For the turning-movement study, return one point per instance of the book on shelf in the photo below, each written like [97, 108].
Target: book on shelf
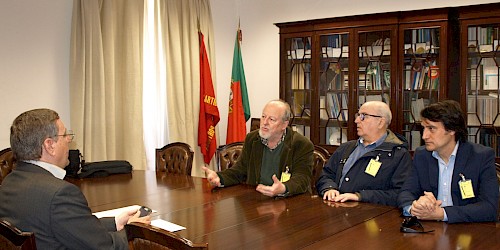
[473, 134]
[417, 106]
[384, 97]
[490, 74]
[300, 48]
[301, 76]
[301, 103]
[482, 109]
[337, 106]
[422, 76]
[415, 139]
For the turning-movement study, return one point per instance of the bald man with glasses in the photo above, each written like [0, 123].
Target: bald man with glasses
[372, 168]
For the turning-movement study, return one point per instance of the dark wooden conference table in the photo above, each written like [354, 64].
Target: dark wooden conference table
[238, 217]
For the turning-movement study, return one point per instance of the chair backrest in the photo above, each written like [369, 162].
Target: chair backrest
[12, 238]
[176, 158]
[498, 172]
[254, 124]
[142, 236]
[320, 157]
[227, 155]
[498, 178]
[7, 163]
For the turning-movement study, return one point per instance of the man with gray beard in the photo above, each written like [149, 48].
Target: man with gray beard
[275, 158]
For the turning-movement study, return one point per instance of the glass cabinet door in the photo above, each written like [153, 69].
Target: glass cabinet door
[374, 67]
[420, 78]
[333, 88]
[483, 60]
[298, 82]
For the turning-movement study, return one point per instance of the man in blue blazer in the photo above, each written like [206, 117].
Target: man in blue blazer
[452, 179]
[34, 197]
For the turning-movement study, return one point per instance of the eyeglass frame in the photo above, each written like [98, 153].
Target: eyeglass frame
[362, 116]
[68, 133]
[408, 224]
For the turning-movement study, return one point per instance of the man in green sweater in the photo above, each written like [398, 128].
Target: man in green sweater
[275, 158]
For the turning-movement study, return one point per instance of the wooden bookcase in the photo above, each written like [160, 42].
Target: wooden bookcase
[479, 85]
[329, 67]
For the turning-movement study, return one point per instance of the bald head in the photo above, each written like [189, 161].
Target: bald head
[283, 106]
[382, 109]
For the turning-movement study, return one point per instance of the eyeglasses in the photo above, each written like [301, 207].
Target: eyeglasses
[412, 225]
[362, 116]
[68, 134]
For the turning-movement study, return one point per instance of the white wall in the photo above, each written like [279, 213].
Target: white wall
[35, 37]
[34, 59]
[260, 46]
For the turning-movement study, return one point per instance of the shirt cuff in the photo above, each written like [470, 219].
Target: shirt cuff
[445, 217]
[406, 210]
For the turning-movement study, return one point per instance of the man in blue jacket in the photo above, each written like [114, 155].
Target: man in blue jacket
[452, 180]
[370, 169]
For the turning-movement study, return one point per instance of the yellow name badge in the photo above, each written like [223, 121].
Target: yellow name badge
[466, 189]
[373, 167]
[285, 176]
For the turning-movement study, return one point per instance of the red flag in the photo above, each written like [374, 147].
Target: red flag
[239, 108]
[209, 113]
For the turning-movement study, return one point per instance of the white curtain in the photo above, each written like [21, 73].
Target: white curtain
[135, 79]
[106, 79]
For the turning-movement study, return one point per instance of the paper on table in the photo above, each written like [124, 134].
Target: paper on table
[163, 224]
[117, 211]
[169, 226]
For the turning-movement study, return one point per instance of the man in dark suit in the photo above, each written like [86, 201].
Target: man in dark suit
[34, 197]
[452, 179]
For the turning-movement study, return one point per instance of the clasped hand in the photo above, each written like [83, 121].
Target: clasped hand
[335, 195]
[273, 190]
[427, 207]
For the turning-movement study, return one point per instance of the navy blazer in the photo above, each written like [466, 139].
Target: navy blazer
[477, 163]
[32, 199]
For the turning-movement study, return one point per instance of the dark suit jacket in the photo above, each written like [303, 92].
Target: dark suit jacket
[477, 163]
[32, 199]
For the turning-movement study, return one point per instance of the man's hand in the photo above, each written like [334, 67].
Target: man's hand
[331, 194]
[271, 191]
[427, 207]
[346, 197]
[212, 177]
[130, 216]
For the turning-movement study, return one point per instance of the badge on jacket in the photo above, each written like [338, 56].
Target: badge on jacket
[373, 167]
[466, 187]
[285, 176]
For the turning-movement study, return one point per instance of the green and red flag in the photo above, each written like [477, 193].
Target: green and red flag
[239, 107]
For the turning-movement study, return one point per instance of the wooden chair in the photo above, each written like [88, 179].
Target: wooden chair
[7, 163]
[176, 157]
[254, 124]
[144, 237]
[227, 155]
[320, 158]
[12, 238]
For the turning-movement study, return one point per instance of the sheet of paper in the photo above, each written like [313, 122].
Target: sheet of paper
[115, 212]
[169, 226]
